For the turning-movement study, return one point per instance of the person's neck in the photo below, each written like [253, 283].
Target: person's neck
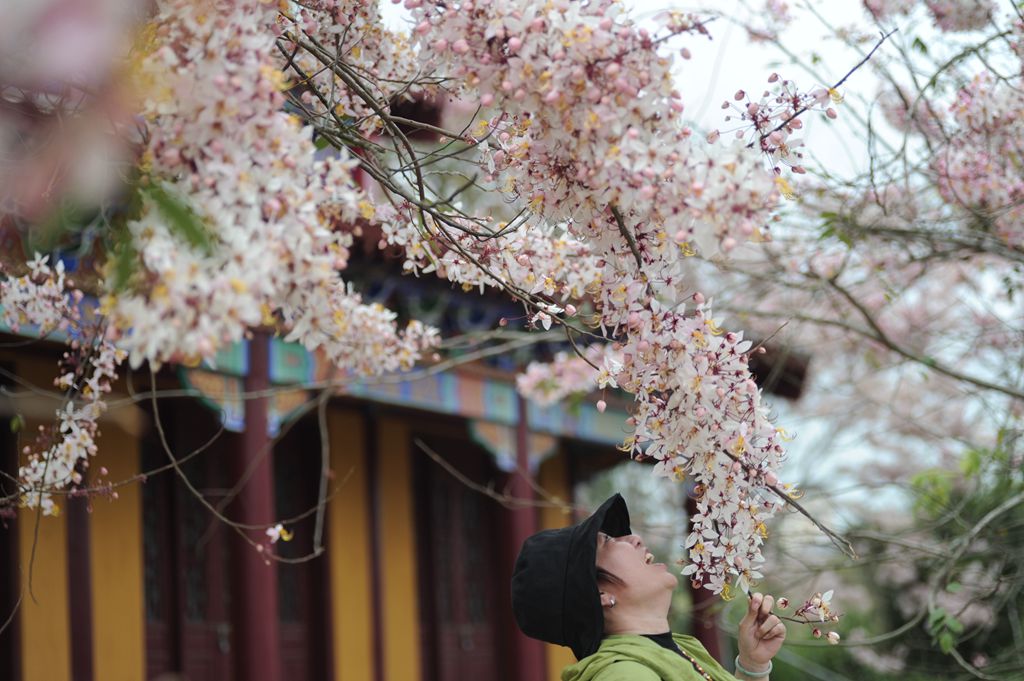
[639, 623]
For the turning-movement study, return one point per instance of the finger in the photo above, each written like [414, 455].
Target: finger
[770, 623]
[766, 607]
[752, 610]
[778, 631]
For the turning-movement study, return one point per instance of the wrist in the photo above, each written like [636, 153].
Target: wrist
[750, 665]
[753, 670]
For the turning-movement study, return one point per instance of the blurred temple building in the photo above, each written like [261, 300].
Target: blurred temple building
[412, 583]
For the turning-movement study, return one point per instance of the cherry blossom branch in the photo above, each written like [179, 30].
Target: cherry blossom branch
[628, 237]
[879, 335]
[840, 542]
[796, 114]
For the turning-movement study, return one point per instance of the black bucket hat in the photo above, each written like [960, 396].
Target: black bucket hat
[554, 582]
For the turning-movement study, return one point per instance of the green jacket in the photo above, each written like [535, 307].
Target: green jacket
[630, 657]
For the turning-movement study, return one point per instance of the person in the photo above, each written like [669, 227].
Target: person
[595, 588]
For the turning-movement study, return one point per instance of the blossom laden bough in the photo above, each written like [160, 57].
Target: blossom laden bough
[43, 299]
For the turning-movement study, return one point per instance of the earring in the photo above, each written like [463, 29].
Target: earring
[611, 601]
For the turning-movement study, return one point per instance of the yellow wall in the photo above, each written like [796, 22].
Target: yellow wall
[45, 628]
[553, 477]
[115, 535]
[398, 552]
[349, 550]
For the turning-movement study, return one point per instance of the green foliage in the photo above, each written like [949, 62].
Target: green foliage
[932, 489]
[832, 228]
[181, 219]
[66, 218]
[944, 628]
[962, 592]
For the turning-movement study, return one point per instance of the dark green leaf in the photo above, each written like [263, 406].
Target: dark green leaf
[920, 46]
[971, 463]
[946, 642]
[179, 216]
[125, 257]
[17, 423]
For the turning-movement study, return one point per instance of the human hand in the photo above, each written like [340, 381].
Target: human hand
[761, 634]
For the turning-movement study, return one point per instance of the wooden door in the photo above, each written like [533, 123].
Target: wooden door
[460, 567]
[188, 626]
[302, 586]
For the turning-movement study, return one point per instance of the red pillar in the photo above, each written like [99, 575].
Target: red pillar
[705, 625]
[257, 637]
[532, 665]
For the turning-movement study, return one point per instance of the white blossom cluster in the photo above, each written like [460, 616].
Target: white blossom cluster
[277, 217]
[537, 260]
[948, 15]
[383, 60]
[569, 374]
[42, 299]
[980, 167]
[74, 439]
[37, 298]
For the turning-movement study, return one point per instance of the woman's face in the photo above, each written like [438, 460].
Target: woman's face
[628, 559]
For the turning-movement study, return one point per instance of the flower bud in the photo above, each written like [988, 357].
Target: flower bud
[833, 637]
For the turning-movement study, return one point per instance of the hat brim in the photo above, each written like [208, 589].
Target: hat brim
[583, 614]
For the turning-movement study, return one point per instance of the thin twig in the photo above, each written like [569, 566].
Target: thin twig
[627, 236]
[804, 108]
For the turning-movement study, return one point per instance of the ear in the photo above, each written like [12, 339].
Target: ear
[607, 600]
